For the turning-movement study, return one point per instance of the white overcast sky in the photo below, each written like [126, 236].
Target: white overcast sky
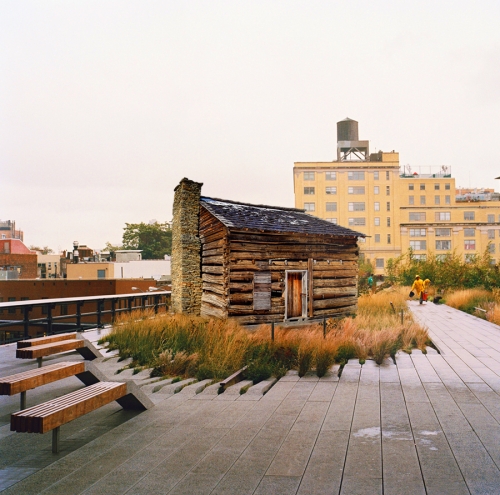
[106, 105]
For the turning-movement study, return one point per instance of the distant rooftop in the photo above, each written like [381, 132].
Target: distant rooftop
[425, 172]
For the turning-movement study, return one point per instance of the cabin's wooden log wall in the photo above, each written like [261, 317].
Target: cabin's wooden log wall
[230, 258]
[214, 261]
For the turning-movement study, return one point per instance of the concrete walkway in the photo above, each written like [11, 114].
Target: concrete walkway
[427, 424]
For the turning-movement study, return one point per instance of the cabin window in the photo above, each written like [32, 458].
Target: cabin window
[262, 291]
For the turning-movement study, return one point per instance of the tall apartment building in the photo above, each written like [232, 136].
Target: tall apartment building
[396, 208]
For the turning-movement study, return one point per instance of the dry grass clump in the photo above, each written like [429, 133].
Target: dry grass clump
[182, 345]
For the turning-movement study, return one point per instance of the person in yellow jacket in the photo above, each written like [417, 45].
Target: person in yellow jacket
[418, 288]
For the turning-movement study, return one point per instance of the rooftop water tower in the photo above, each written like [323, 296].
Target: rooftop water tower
[349, 147]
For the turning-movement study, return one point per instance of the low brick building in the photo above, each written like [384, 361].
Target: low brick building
[16, 260]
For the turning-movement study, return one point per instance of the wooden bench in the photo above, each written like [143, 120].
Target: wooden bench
[52, 414]
[85, 348]
[45, 340]
[21, 382]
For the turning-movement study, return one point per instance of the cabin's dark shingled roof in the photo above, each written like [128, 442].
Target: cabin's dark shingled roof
[271, 218]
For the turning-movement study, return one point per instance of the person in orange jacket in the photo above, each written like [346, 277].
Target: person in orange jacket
[418, 288]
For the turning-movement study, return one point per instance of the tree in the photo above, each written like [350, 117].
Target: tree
[155, 239]
[43, 250]
[111, 248]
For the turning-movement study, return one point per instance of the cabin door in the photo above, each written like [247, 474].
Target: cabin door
[296, 294]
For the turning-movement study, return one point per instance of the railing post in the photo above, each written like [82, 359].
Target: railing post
[79, 316]
[50, 330]
[144, 301]
[130, 303]
[100, 304]
[272, 331]
[157, 302]
[324, 327]
[113, 310]
[26, 320]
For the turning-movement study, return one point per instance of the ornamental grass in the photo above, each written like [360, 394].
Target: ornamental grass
[182, 345]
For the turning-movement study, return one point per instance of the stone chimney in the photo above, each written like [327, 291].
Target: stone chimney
[186, 249]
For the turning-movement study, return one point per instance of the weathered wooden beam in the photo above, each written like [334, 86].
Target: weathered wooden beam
[335, 302]
[214, 299]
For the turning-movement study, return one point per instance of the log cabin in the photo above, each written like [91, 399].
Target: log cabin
[259, 264]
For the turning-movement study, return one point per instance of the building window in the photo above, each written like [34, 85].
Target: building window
[417, 216]
[377, 206]
[443, 232]
[331, 206]
[377, 221]
[422, 200]
[388, 206]
[469, 215]
[375, 175]
[376, 190]
[436, 187]
[377, 237]
[388, 238]
[437, 200]
[356, 206]
[470, 244]
[308, 175]
[469, 232]
[418, 245]
[443, 216]
[309, 206]
[447, 200]
[379, 262]
[422, 187]
[356, 175]
[443, 245]
[411, 200]
[447, 187]
[356, 190]
[411, 187]
[357, 221]
[387, 190]
[491, 234]
[420, 257]
[491, 248]
[388, 221]
[331, 220]
[331, 175]
[417, 232]
[308, 190]
[331, 190]
[101, 273]
[491, 218]
[387, 175]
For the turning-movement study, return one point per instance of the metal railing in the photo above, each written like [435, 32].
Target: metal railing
[32, 318]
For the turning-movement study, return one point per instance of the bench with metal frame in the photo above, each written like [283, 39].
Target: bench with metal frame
[51, 415]
[27, 380]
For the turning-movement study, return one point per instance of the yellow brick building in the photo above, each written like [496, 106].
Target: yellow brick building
[397, 209]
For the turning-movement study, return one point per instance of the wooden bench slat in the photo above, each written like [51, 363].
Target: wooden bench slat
[49, 349]
[54, 413]
[45, 340]
[20, 382]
